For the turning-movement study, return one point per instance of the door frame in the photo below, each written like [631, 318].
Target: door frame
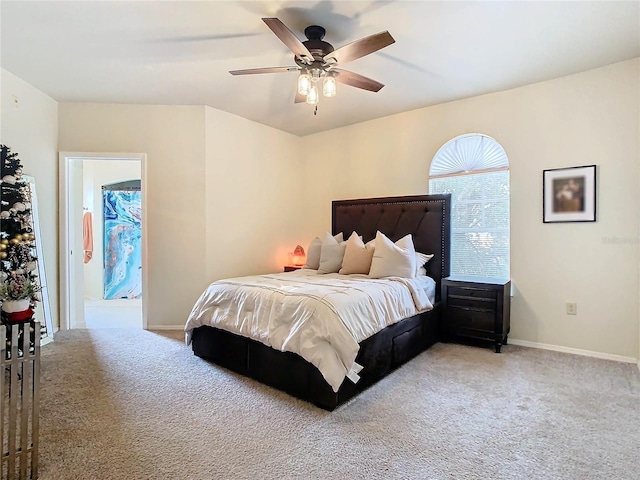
[69, 227]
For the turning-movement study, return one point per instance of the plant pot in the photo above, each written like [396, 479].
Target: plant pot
[12, 306]
[17, 317]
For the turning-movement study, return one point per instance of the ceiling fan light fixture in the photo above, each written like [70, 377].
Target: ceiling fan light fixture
[312, 96]
[329, 86]
[304, 83]
[315, 59]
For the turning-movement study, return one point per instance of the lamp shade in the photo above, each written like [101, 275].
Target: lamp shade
[312, 96]
[299, 256]
[329, 86]
[304, 83]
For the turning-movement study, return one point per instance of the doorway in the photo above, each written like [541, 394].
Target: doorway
[83, 303]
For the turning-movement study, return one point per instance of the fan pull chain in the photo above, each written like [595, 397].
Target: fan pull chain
[315, 110]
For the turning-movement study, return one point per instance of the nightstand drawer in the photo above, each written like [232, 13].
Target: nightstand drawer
[471, 302]
[472, 292]
[471, 318]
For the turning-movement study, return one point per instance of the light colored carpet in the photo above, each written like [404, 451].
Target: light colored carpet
[134, 404]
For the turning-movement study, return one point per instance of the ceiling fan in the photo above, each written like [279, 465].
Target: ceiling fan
[316, 59]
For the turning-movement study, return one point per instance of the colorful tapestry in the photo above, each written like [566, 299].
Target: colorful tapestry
[122, 244]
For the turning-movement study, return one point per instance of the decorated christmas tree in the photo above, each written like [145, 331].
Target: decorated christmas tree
[18, 262]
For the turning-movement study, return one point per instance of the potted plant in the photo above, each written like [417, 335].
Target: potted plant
[17, 292]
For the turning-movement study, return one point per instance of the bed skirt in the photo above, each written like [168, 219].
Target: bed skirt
[379, 355]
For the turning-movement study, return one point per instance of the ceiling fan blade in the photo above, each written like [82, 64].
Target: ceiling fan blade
[251, 71]
[360, 48]
[287, 37]
[356, 80]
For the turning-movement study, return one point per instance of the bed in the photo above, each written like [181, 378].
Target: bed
[427, 219]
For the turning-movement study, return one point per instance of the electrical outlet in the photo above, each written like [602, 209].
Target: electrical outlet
[572, 308]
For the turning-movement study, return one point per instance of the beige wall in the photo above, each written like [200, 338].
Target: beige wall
[209, 172]
[29, 126]
[96, 173]
[253, 196]
[583, 119]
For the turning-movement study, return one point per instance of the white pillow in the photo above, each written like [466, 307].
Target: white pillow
[421, 261]
[393, 260]
[313, 254]
[357, 256]
[331, 254]
[314, 250]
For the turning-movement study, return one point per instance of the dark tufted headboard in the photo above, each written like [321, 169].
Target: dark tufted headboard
[426, 217]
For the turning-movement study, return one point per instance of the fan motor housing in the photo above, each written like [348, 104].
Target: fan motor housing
[316, 46]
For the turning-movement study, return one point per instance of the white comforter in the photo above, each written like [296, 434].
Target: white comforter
[320, 317]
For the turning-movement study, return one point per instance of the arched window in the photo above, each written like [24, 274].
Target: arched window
[474, 168]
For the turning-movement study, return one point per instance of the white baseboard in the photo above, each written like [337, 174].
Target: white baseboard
[575, 351]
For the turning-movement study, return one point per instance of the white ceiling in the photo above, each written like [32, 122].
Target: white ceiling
[180, 52]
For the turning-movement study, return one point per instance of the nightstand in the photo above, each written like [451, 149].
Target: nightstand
[476, 308]
[291, 268]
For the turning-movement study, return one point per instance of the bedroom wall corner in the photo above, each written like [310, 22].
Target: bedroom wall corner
[254, 208]
[29, 126]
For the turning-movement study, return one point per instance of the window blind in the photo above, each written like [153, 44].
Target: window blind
[480, 207]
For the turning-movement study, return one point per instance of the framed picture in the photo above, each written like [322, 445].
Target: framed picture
[569, 194]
